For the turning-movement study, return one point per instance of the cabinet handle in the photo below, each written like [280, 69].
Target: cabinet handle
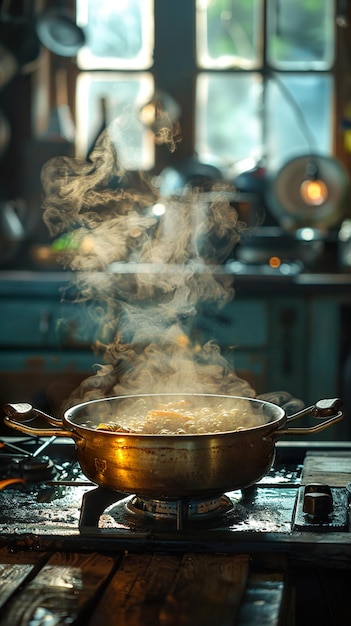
[287, 320]
[44, 324]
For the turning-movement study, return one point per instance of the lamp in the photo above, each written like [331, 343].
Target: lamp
[309, 190]
[313, 190]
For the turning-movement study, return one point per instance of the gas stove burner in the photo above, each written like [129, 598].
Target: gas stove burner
[33, 469]
[143, 512]
[182, 509]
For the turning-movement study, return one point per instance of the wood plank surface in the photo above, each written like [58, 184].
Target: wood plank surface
[12, 576]
[193, 589]
[15, 568]
[263, 602]
[64, 589]
[137, 591]
[207, 590]
[333, 468]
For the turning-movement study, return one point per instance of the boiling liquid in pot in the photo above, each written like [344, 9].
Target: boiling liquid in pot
[179, 416]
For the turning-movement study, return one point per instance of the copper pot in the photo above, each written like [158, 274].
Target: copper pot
[173, 466]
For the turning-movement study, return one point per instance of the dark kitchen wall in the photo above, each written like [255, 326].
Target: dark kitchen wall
[15, 102]
[28, 103]
[28, 128]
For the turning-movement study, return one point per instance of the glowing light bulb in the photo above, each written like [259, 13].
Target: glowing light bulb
[159, 209]
[306, 234]
[148, 114]
[274, 262]
[314, 192]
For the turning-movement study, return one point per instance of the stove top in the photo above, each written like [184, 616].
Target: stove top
[303, 502]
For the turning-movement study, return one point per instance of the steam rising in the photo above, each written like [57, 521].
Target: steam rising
[147, 271]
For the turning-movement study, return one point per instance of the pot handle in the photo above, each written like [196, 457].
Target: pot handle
[26, 413]
[329, 408]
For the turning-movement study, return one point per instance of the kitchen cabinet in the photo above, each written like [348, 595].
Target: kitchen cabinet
[264, 339]
[45, 343]
[41, 323]
[241, 329]
[286, 337]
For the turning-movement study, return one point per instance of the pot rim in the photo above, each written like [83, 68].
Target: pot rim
[273, 424]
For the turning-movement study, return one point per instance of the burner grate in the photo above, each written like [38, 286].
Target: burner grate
[33, 469]
[32, 463]
[181, 510]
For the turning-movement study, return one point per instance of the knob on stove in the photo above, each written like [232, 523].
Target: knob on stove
[318, 501]
[33, 469]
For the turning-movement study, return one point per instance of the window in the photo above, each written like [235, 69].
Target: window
[269, 94]
[119, 36]
[252, 79]
[115, 100]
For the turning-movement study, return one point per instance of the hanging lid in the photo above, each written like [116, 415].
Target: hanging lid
[310, 190]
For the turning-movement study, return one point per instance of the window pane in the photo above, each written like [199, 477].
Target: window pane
[298, 116]
[228, 33]
[119, 34]
[300, 34]
[122, 97]
[228, 125]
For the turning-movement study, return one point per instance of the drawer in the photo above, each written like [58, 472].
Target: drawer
[45, 378]
[243, 324]
[45, 323]
[251, 367]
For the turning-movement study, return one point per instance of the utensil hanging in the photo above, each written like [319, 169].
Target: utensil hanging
[58, 32]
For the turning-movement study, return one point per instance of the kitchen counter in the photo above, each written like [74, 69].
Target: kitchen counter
[27, 283]
[47, 283]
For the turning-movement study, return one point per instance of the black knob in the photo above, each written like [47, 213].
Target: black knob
[318, 488]
[318, 502]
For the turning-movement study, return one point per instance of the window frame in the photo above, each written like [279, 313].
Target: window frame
[175, 72]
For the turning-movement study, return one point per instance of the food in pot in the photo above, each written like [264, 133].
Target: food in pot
[184, 417]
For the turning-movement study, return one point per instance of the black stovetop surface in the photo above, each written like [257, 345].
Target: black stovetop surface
[46, 512]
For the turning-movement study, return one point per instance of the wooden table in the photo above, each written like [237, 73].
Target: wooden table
[140, 590]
